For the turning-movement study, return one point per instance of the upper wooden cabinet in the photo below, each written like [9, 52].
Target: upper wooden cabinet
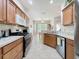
[68, 14]
[20, 13]
[10, 12]
[2, 10]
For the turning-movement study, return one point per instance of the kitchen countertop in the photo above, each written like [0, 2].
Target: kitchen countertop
[7, 40]
[65, 35]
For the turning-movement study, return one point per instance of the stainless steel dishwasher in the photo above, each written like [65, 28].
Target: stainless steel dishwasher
[61, 46]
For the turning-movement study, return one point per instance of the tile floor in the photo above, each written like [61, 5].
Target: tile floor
[40, 51]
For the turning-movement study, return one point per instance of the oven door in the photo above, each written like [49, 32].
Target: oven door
[61, 46]
[27, 44]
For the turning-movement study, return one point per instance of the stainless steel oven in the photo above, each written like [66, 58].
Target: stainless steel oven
[27, 45]
[61, 46]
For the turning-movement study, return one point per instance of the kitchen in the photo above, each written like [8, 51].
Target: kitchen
[38, 29]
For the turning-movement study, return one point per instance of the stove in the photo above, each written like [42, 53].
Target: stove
[26, 41]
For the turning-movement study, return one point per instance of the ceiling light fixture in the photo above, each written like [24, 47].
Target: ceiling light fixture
[51, 1]
[30, 2]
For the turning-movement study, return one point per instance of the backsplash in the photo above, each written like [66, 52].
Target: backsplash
[68, 30]
[12, 27]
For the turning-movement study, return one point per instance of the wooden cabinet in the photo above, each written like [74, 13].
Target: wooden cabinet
[69, 14]
[11, 46]
[14, 50]
[69, 49]
[26, 17]
[50, 40]
[0, 53]
[10, 12]
[74, 12]
[3, 11]
[20, 13]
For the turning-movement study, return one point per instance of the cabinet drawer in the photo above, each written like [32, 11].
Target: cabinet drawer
[11, 46]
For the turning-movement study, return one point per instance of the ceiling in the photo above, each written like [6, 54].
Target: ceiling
[42, 9]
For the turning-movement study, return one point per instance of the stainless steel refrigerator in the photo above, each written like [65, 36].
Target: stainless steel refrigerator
[77, 29]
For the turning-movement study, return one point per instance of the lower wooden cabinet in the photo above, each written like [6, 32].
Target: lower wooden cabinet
[1, 53]
[15, 50]
[50, 39]
[11, 46]
[19, 56]
[69, 49]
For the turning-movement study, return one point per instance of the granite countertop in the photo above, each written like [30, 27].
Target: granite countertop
[65, 35]
[7, 40]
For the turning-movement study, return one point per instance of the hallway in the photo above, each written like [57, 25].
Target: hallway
[40, 51]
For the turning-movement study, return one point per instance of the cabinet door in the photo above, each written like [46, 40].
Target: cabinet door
[46, 39]
[3, 10]
[11, 46]
[18, 11]
[22, 14]
[26, 18]
[69, 51]
[74, 12]
[10, 12]
[50, 40]
[19, 56]
[68, 15]
[53, 41]
[0, 53]
[14, 52]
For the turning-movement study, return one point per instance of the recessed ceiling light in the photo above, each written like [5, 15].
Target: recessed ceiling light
[78, 0]
[51, 1]
[30, 2]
